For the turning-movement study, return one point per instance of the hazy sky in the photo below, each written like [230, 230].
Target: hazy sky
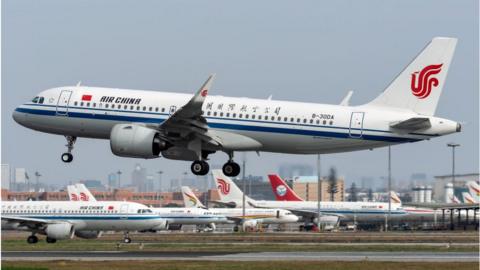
[294, 50]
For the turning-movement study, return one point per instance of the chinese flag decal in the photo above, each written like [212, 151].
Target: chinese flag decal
[86, 97]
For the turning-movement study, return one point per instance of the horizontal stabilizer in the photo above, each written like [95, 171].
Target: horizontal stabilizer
[412, 124]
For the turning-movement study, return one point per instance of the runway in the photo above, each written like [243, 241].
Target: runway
[226, 256]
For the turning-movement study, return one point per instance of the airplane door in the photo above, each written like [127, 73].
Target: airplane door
[172, 110]
[62, 104]
[356, 124]
[124, 210]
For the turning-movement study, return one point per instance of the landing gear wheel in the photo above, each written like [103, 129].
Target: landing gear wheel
[67, 157]
[51, 240]
[236, 229]
[127, 240]
[32, 239]
[200, 167]
[231, 168]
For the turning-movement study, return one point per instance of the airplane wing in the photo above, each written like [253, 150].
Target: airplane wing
[32, 223]
[412, 124]
[224, 204]
[188, 120]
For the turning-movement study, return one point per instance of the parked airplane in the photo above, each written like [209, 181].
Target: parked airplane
[62, 220]
[174, 217]
[145, 124]
[474, 190]
[230, 194]
[253, 216]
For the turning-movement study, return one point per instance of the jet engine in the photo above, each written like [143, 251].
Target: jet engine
[128, 140]
[160, 227]
[88, 234]
[60, 231]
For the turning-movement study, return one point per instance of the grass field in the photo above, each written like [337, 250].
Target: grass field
[108, 245]
[195, 265]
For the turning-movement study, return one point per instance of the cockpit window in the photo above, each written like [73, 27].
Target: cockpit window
[35, 99]
[41, 100]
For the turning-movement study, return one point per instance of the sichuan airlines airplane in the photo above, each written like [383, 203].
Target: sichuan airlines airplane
[149, 124]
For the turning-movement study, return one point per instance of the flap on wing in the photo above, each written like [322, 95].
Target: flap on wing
[414, 123]
[235, 141]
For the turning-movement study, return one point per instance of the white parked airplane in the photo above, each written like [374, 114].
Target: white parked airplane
[253, 216]
[230, 194]
[175, 217]
[62, 220]
[147, 124]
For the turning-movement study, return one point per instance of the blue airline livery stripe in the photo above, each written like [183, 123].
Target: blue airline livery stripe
[220, 125]
[220, 118]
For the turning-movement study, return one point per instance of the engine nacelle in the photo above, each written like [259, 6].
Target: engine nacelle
[88, 234]
[60, 231]
[129, 140]
[250, 225]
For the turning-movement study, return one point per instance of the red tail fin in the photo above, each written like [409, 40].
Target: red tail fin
[281, 190]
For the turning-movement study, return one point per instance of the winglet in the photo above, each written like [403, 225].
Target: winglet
[203, 91]
[346, 99]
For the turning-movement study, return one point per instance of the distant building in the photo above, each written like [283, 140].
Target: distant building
[6, 176]
[440, 184]
[306, 188]
[139, 178]
[94, 185]
[256, 187]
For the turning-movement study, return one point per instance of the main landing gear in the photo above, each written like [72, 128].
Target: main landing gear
[126, 239]
[32, 239]
[201, 167]
[68, 157]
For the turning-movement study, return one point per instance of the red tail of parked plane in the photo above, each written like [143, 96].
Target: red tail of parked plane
[281, 190]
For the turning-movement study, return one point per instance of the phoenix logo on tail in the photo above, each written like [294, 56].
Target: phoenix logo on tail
[74, 197]
[83, 196]
[422, 86]
[223, 186]
[191, 198]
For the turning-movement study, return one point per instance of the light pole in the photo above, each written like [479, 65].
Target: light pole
[119, 173]
[453, 146]
[244, 183]
[159, 185]
[319, 190]
[389, 187]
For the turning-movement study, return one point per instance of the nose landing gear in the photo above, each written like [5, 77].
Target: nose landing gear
[32, 239]
[68, 157]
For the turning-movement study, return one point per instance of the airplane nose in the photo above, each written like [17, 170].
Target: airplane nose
[16, 116]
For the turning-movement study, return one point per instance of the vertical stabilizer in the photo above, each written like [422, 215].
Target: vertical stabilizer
[190, 199]
[84, 193]
[419, 86]
[281, 190]
[228, 190]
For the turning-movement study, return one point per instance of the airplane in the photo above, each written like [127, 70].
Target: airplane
[231, 195]
[253, 217]
[467, 198]
[150, 124]
[175, 217]
[60, 220]
[474, 189]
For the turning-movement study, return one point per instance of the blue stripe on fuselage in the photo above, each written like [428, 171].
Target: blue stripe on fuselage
[231, 126]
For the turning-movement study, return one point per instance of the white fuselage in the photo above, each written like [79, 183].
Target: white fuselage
[265, 216]
[274, 126]
[197, 216]
[85, 216]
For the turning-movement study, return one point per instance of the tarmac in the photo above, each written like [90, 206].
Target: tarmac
[228, 256]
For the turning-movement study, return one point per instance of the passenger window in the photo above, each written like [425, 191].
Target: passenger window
[131, 107]
[208, 113]
[311, 121]
[88, 104]
[253, 116]
[279, 118]
[75, 103]
[227, 114]
[150, 109]
[81, 104]
[234, 115]
[156, 109]
[119, 106]
[240, 115]
[273, 118]
[94, 104]
[125, 107]
[292, 120]
[163, 109]
[298, 120]
[331, 122]
[106, 105]
[138, 108]
[214, 113]
[144, 108]
[221, 114]
[259, 117]
[304, 120]
[246, 116]
[318, 121]
[324, 122]
[285, 119]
